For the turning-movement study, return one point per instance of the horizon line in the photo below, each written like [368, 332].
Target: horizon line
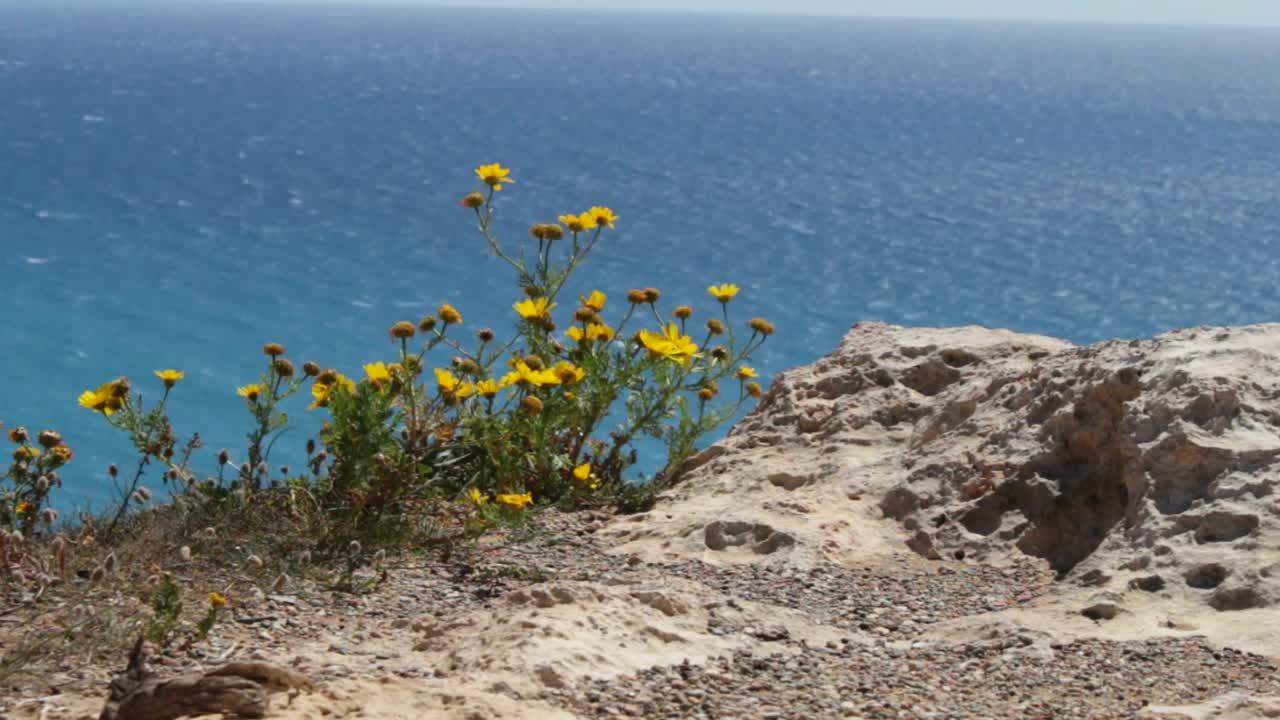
[678, 12]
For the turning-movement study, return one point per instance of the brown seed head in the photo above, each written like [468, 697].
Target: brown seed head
[112, 470]
[762, 326]
[327, 377]
[706, 394]
[531, 404]
[284, 367]
[427, 323]
[485, 335]
[585, 314]
[719, 352]
[403, 330]
[468, 366]
[224, 456]
[715, 326]
[311, 368]
[49, 438]
[473, 200]
[651, 295]
[273, 349]
[684, 312]
[18, 434]
[636, 296]
[534, 362]
[753, 389]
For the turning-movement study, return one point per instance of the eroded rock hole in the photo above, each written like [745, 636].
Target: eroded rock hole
[1206, 577]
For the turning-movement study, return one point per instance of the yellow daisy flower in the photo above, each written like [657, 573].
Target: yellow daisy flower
[746, 373]
[250, 391]
[476, 497]
[515, 500]
[583, 471]
[602, 216]
[724, 292]
[534, 308]
[170, 377]
[595, 300]
[377, 373]
[494, 175]
[670, 344]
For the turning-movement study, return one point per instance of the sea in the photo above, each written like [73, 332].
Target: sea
[180, 183]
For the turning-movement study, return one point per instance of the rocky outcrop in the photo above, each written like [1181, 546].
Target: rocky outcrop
[1143, 467]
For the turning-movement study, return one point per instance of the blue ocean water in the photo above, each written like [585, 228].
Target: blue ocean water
[179, 184]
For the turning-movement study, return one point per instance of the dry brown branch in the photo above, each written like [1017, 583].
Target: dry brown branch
[235, 690]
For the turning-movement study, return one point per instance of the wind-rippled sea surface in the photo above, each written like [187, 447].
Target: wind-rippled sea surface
[179, 185]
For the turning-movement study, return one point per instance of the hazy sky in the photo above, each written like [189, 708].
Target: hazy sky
[1196, 12]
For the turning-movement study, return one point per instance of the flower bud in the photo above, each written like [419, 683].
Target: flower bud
[311, 446]
[534, 362]
[224, 456]
[485, 335]
[327, 377]
[403, 330]
[18, 435]
[636, 296]
[273, 349]
[762, 326]
[473, 200]
[753, 389]
[651, 295]
[112, 470]
[283, 367]
[684, 312]
[311, 368]
[531, 404]
[49, 438]
[715, 326]
[585, 314]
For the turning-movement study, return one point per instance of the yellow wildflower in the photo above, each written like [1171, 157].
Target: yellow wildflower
[724, 292]
[583, 471]
[754, 389]
[494, 175]
[568, 372]
[602, 216]
[599, 331]
[449, 314]
[320, 393]
[63, 453]
[575, 333]
[525, 375]
[595, 300]
[446, 380]
[377, 373]
[170, 377]
[515, 500]
[250, 391]
[107, 398]
[746, 373]
[22, 507]
[476, 497]
[489, 388]
[670, 344]
[578, 223]
[217, 600]
[534, 308]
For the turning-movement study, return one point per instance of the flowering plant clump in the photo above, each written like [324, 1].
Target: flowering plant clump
[550, 413]
[25, 486]
[150, 431]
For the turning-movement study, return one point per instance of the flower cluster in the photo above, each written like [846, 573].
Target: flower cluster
[551, 413]
[25, 486]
